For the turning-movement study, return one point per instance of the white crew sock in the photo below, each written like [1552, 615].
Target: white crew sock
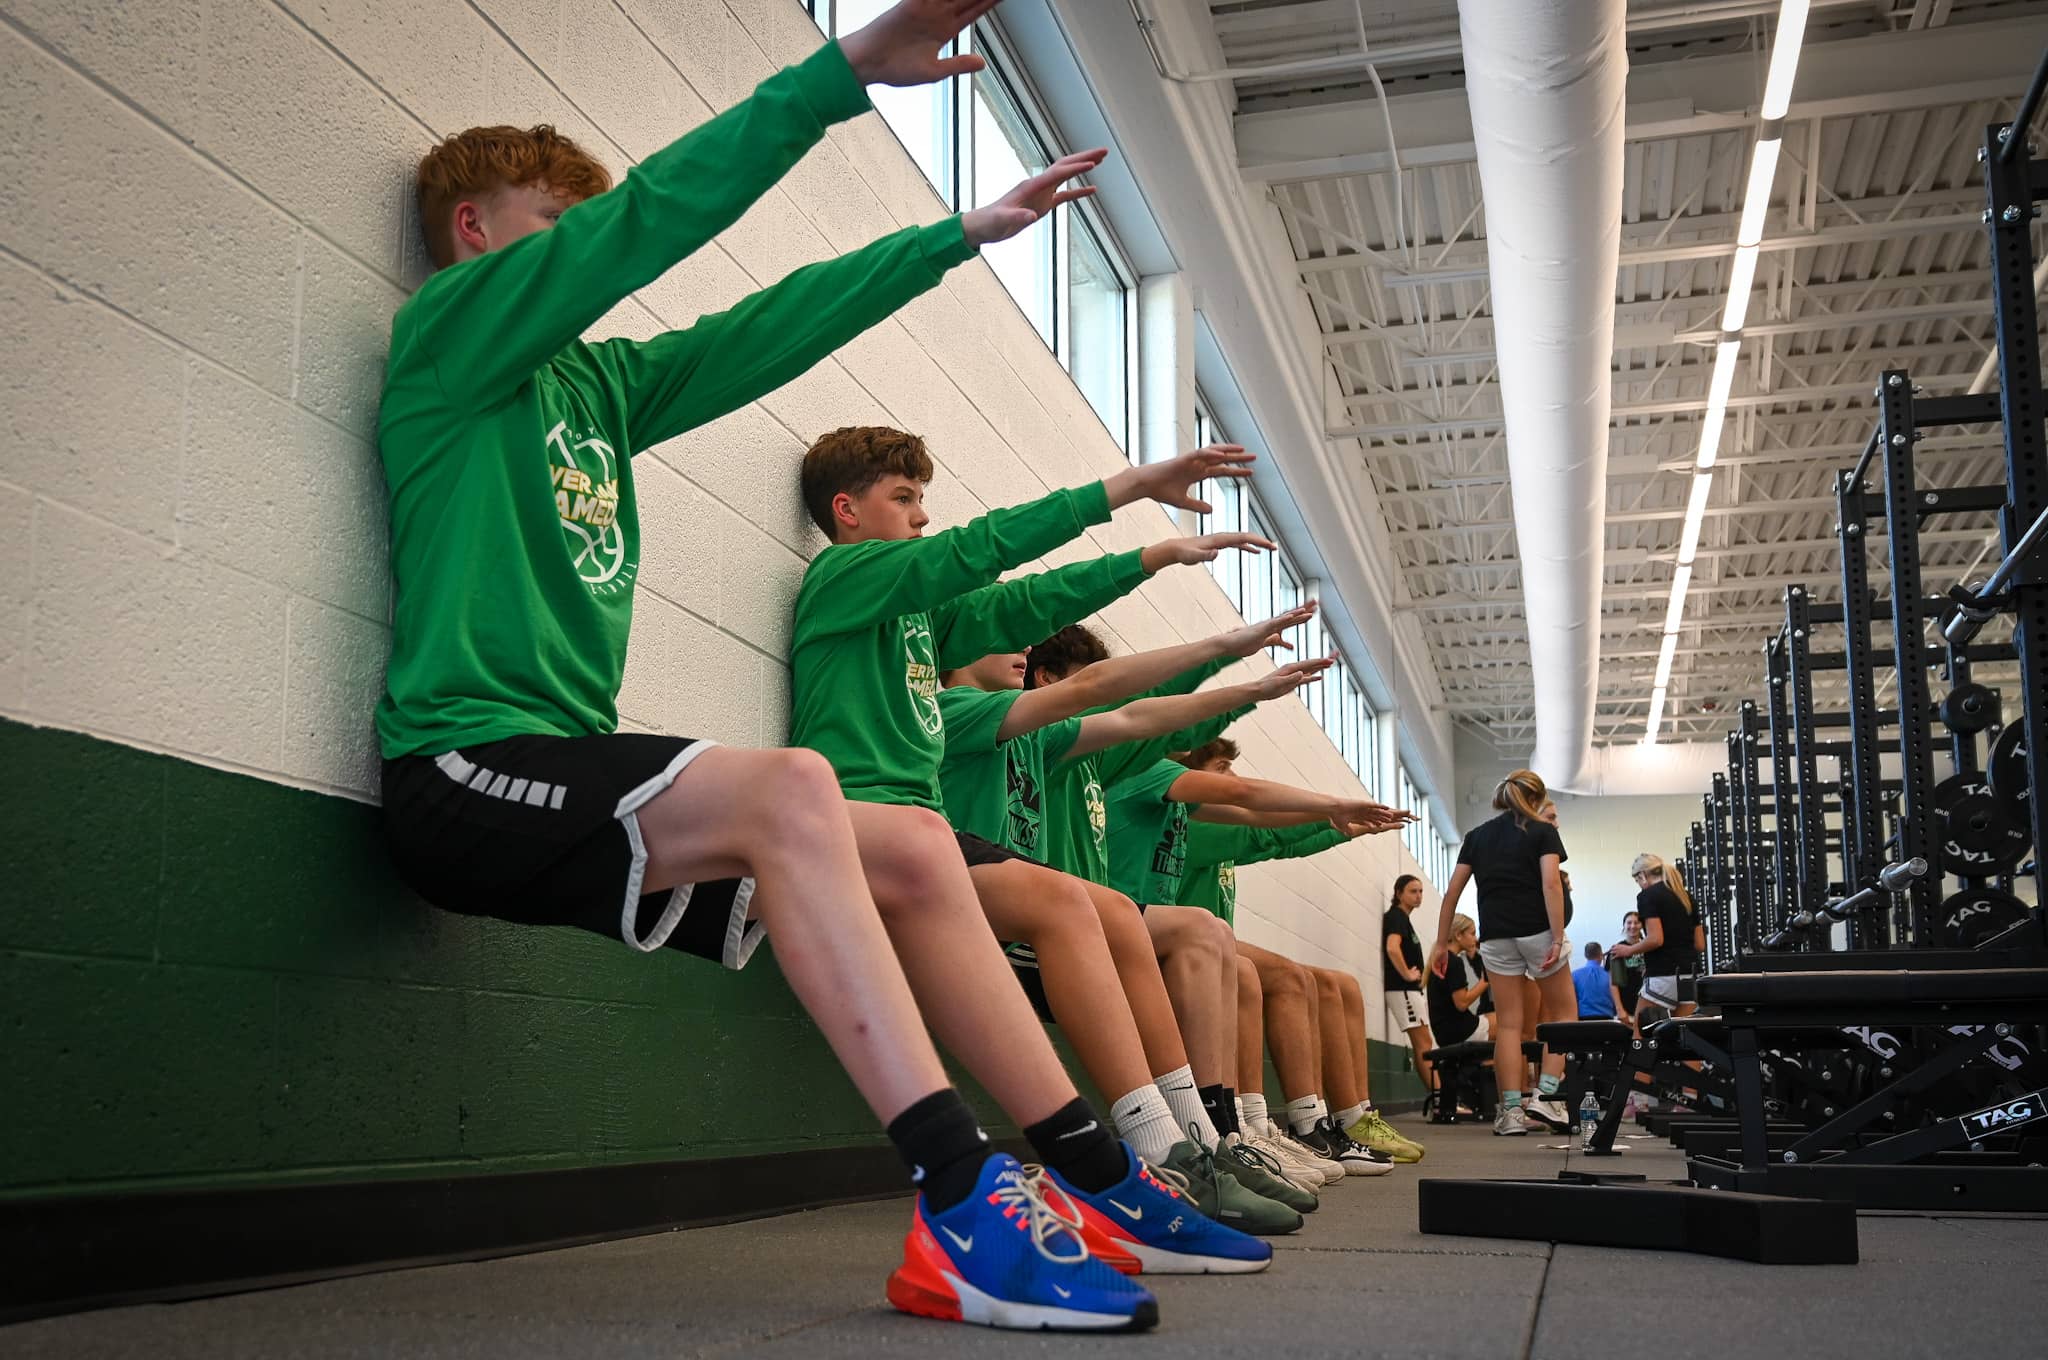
[1144, 1120]
[1251, 1112]
[1178, 1086]
[1346, 1118]
[1305, 1113]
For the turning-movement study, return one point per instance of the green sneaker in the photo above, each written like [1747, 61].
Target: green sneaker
[1216, 1192]
[1373, 1131]
[1261, 1175]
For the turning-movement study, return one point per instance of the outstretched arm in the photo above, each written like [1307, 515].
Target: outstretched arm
[1440, 953]
[1156, 717]
[1101, 685]
[485, 325]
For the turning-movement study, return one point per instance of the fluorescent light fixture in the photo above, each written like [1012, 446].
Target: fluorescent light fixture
[1665, 655]
[1784, 58]
[1741, 278]
[1656, 716]
[1756, 199]
[1695, 516]
[1725, 357]
[1680, 580]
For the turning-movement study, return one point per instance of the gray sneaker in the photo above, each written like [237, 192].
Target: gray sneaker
[1259, 1173]
[1217, 1193]
[1510, 1122]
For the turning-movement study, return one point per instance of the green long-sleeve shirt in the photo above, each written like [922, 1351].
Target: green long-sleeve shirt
[1215, 849]
[506, 440]
[1076, 838]
[877, 622]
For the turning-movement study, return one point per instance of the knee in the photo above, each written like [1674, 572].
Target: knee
[1326, 987]
[1289, 984]
[794, 783]
[1247, 979]
[1116, 915]
[1347, 985]
[918, 868]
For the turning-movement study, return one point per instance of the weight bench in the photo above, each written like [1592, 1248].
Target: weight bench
[1854, 1157]
[1459, 1067]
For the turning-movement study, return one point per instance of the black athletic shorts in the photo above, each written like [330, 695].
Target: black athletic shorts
[977, 851]
[545, 831]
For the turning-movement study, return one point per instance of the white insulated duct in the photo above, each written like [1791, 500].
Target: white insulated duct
[1546, 80]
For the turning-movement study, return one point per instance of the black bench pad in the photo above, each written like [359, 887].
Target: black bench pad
[1790, 991]
[1577, 1036]
[1471, 1048]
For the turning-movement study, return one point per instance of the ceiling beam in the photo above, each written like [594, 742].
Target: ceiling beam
[1878, 73]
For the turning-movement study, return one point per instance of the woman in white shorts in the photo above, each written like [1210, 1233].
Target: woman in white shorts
[1514, 859]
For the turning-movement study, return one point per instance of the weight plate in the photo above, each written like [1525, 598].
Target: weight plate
[1975, 915]
[1969, 708]
[1976, 839]
[2011, 776]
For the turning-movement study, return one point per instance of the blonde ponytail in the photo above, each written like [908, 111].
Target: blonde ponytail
[1521, 793]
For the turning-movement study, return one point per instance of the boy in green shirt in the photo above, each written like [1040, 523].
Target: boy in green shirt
[882, 612]
[514, 547]
[998, 738]
[1316, 1015]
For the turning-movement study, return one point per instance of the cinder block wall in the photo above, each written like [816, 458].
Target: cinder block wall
[206, 971]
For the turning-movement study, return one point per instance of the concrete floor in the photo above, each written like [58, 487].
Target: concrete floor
[1357, 1281]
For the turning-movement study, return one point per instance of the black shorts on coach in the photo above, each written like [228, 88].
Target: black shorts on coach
[544, 831]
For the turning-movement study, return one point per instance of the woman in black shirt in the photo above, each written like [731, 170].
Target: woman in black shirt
[1401, 971]
[1515, 858]
[1672, 938]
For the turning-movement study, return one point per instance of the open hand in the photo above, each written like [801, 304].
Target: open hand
[1186, 552]
[1031, 200]
[1289, 678]
[1254, 638]
[902, 46]
[1173, 482]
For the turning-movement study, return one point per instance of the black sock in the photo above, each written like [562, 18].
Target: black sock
[1221, 1107]
[941, 1142]
[1073, 1142]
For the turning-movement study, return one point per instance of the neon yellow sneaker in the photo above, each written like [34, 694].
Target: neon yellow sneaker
[1373, 1130]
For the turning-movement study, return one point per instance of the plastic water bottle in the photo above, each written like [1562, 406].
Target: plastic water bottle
[1589, 1121]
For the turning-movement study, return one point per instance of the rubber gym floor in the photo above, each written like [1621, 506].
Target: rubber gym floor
[1358, 1280]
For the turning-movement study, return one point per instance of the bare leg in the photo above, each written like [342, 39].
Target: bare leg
[1354, 1032]
[1340, 1082]
[1051, 912]
[1290, 1019]
[1508, 1001]
[1532, 1015]
[1419, 1040]
[1560, 1002]
[829, 939]
[1251, 1029]
[1154, 1008]
[1192, 948]
[955, 968]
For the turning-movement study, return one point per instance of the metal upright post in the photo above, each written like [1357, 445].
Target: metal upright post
[1862, 804]
[1752, 884]
[1720, 937]
[1785, 809]
[1896, 433]
[2009, 210]
[1810, 856]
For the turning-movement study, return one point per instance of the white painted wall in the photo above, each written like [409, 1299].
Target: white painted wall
[208, 226]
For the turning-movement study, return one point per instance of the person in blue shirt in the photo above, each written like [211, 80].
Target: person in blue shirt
[1596, 990]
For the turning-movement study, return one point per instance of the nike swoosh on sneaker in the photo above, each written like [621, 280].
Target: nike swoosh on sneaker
[1089, 1127]
[964, 1243]
[1135, 1214]
[1063, 1293]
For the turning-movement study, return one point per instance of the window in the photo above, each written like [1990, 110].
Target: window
[975, 137]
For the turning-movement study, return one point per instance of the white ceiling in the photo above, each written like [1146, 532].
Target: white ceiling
[1873, 258]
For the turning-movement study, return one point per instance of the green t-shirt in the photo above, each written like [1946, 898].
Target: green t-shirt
[1148, 834]
[1076, 815]
[996, 790]
[1215, 849]
[878, 622]
[506, 440]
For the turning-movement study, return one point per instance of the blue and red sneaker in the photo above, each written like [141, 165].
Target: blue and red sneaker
[1151, 1218]
[1004, 1257]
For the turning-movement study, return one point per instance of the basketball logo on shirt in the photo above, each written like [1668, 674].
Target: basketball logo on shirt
[1098, 813]
[586, 480]
[921, 673]
[1226, 885]
[1025, 806]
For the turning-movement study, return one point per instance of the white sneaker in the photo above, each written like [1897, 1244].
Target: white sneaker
[1306, 1156]
[1510, 1122]
[1547, 1113]
[1298, 1174]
